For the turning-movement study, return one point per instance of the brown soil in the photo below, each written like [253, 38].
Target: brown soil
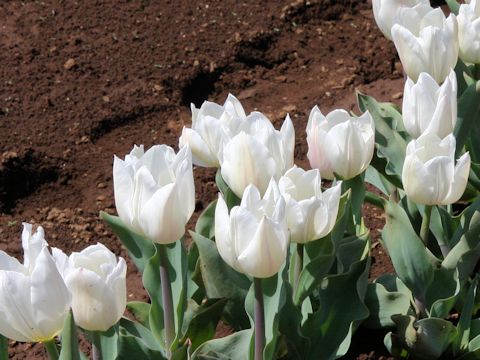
[83, 80]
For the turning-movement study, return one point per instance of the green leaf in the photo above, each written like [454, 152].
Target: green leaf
[274, 299]
[70, 349]
[390, 137]
[409, 256]
[434, 336]
[131, 347]
[351, 249]
[453, 5]
[387, 297]
[221, 281]
[3, 348]
[442, 292]
[462, 340]
[232, 347]
[357, 195]
[142, 335]
[140, 310]
[205, 225]
[106, 341]
[139, 248]
[372, 176]
[467, 125]
[201, 321]
[329, 328]
[230, 198]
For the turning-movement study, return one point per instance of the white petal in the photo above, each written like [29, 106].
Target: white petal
[459, 182]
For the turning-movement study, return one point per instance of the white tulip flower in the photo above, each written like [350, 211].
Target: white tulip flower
[429, 174]
[253, 238]
[429, 107]
[212, 125]
[310, 213]
[34, 300]
[385, 12]
[469, 32]
[339, 143]
[426, 43]
[154, 191]
[257, 153]
[97, 282]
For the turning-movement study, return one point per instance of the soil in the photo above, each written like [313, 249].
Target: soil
[83, 80]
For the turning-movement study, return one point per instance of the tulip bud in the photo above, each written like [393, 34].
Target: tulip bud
[97, 282]
[385, 12]
[310, 213]
[429, 175]
[469, 32]
[154, 191]
[212, 125]
[253, 238]
[426, 43]
[257, 153]
[34, 300]
[339, 143]
[428, 107]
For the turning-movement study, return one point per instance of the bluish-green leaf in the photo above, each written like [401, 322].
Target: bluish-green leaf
[143, 336]
[232, 347]
[221, 281]
[390, 137]
[3, 348]
[410, 258]
[140, 310]
[464, 324]
[205, 225]
[70, 350]
[453, 5]
[230, 198]
[442, 292]
[139, 248]
[467, 126]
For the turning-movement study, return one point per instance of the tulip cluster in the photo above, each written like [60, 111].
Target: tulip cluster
[36, 297]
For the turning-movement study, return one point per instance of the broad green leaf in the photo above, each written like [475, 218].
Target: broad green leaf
[131, 347]
[232, 347]
[221, 281]
[442, 292]
[140, 310]
[390, 137]
[357, 195]
[3, 348]
[467, 126]
[351, 249]
[372, 176]
[139, 248]
[409, 256]
[462, 340]
[205, 225]
[274, 298]
[434, 336]
[107, 342]
[201, 322]
[70, 349]
[383, 304]
[230, 198]
[463, 73]
[331, 324]
[128, 328]
[442, 225]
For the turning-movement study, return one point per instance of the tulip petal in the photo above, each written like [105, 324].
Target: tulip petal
[460, 179]
[123, 189]
[223, 239]
[410, 51]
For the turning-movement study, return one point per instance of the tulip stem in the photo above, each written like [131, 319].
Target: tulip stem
[167, 301]
[52, 349]
[259, 319]
[298, 266]
[96, 346]
[425, 228]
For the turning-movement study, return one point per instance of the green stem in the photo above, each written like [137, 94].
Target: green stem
[3, 348]
[52, 349]
[168, 318]
[259, 319]
[298, 267]
[374, 199]
[425, 229]
[476, 71]
[96, 346]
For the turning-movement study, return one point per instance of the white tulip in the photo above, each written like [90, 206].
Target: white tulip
[310, 213]
[154, 191]
[97, 282]
[385, 12]
[469, 32]
[257, 153]
[427, 44]
[339, 143]
[34, 300]
[428, 107]
[253, 238]
[429, 175]
[212, 125]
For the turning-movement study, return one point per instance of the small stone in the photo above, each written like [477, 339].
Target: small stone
[247, 93]
[158, 87]
[105, 99]
[101, 185]
[196, 63]
[289, 108]
[70, 63]
[101, 198]
[397, 96]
